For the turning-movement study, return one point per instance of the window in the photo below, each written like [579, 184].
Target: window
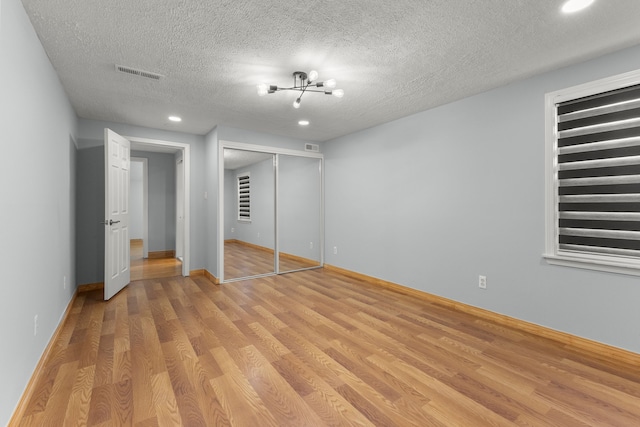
[244, 197]
[593, 175]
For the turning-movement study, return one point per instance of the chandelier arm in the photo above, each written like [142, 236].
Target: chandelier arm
[303, 91]
[299, 89]
[313, 90]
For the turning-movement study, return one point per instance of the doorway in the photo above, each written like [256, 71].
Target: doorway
[146, 260]
[154, 263]
[117, 162]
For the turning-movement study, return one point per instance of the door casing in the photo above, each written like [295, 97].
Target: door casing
[179, 208]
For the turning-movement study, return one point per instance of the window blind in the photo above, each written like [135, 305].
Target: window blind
[244, 197]
[598, 173]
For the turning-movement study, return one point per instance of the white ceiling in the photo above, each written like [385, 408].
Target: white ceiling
[392, 58]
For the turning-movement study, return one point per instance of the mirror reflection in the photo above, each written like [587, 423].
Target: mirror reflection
[299, 213]
[249, 203]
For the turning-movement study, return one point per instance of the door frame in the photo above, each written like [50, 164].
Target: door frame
[270, 150]
[179, 198]
[141, 143]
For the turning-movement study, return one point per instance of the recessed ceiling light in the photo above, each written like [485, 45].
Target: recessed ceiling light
[303, 122]
[576, 5]
[175, 118]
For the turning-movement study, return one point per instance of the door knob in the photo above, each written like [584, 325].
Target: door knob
[110, 222]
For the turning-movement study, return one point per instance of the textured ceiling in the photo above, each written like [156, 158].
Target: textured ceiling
[392, 58]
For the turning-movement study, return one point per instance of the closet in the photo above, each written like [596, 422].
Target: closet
[270, 210]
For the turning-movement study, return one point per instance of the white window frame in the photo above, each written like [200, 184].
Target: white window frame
[553, 254]
[238, 176]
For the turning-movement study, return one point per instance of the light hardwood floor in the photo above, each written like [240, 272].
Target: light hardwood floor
[312, 348]
[244, 260]
[151, 268]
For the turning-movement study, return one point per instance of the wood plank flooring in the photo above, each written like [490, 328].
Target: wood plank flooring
[151, 268]
[312, 348]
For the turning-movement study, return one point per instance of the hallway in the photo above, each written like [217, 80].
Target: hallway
[151, 268]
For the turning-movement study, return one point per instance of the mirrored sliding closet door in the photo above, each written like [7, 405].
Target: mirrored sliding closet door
[249, 203]
[272, 212]
[299, 213]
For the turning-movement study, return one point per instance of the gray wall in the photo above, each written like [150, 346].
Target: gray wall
[162, 200]
[230, 202]
[226, 133]
[299, 210]
[89, 215]
[433, 200]
[261, 230]
[136, 201]
[37, 185]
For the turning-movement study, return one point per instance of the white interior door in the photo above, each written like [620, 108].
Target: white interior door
[179, 209]
[117, 152]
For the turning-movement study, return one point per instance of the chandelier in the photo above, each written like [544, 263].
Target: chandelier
[301, 83]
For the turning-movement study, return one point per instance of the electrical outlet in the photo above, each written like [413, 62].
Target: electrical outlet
[258, 235]
[482, 282]
[233, 230]
[310, 245]
[206, 195]
[335, 250]
[35, 325]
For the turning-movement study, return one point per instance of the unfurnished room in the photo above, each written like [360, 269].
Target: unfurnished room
[323, 213]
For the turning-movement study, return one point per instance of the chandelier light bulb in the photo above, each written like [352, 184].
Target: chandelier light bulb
[313, 76]
[263, 89]
[338, 93]
[296, 103]
[331, 83]
[576, 5]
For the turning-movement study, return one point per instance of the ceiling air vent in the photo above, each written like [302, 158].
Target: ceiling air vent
[136, 72]
[312, 147]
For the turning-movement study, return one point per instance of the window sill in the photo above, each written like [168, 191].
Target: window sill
[593, 264]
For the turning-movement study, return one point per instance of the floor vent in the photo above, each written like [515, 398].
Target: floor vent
[136, 72]
[312, 147]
